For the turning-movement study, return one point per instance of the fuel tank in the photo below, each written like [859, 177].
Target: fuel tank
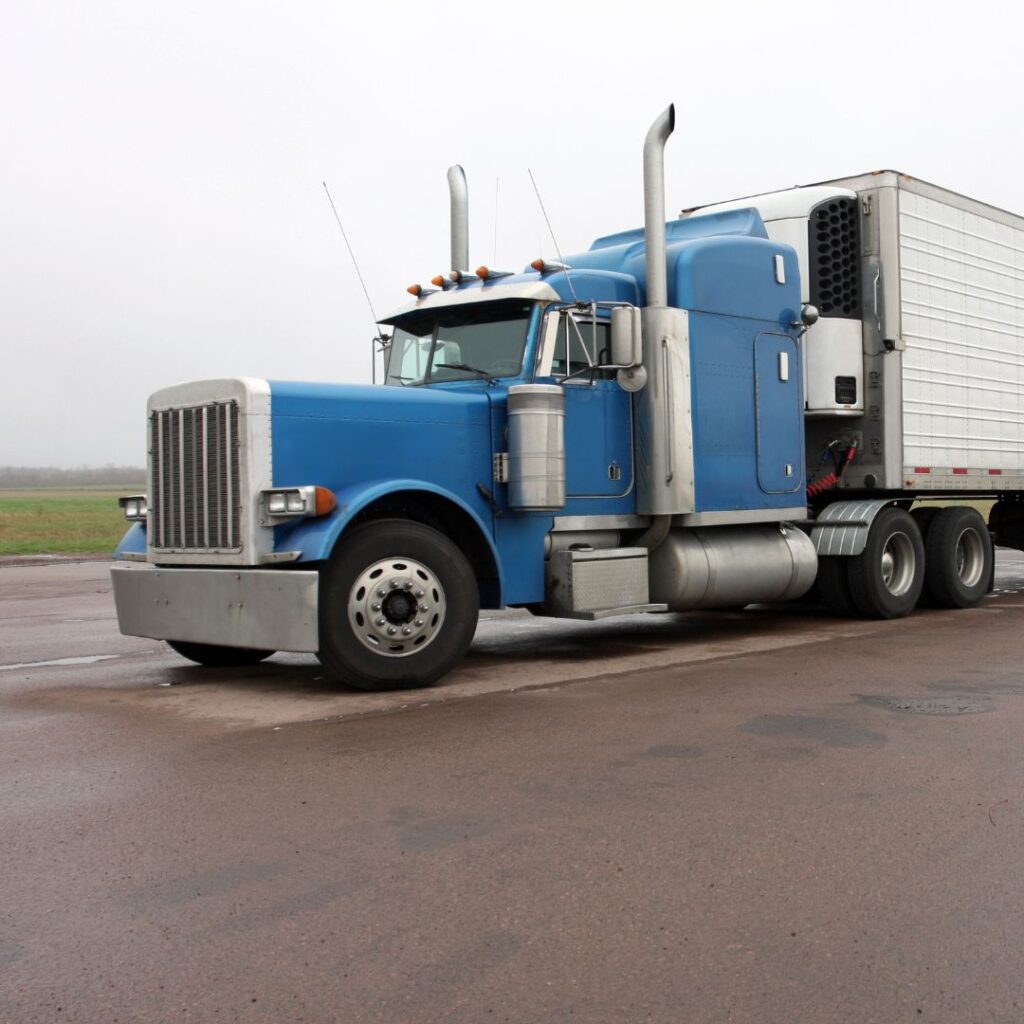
[725, 566]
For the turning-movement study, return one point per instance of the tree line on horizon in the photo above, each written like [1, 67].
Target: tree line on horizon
[79, 476]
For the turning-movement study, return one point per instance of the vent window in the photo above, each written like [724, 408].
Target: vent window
[834, 251]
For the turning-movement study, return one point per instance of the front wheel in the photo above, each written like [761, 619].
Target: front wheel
[399, 605]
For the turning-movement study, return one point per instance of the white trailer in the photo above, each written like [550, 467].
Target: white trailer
[916, 362]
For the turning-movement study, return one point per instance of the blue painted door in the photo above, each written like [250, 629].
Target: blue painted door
[779, 411]
[598, 439]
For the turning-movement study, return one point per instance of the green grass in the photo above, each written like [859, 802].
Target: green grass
[73, 521]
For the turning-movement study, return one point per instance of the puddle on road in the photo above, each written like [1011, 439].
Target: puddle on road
[88, 660]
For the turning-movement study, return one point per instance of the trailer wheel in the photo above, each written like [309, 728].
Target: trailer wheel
[215, 656]
[834, 586]
[958, 566]
[399, 605]
[887, 577]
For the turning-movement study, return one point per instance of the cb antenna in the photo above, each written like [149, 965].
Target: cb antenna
[551, 231]
[380, 339]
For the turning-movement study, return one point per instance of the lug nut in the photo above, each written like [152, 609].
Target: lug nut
[406, 631]
[375, 606]
[393, 584]
[407, 584]
[419, 622]
[392, 631]
[423, 607]
[419, 593]
[382, 592]
[380, 620]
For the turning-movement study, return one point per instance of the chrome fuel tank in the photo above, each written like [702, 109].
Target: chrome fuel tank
[721, 567]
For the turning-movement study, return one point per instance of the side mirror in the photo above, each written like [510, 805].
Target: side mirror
[627, 350]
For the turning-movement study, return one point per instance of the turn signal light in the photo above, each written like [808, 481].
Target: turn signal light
[299, 502]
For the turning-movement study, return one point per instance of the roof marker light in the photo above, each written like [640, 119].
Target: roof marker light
[486, 274]
[544, 266]
[458, 276]
[419, 291]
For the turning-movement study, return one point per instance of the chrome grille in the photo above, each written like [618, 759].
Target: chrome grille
[195, 500]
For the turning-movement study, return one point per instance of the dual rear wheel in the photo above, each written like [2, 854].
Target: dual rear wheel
[939, 557]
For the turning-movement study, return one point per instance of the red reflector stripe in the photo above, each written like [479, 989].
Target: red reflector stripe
[960, 471]
[922, 469]
[995, 472]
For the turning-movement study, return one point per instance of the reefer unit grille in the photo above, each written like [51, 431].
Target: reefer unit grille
[194, 454]
[834, 250]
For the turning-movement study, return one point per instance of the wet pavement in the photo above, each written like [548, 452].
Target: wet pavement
[764, 816]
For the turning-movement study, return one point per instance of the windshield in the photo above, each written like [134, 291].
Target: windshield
[483, 341]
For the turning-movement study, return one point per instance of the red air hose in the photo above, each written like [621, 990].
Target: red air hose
[827, 482]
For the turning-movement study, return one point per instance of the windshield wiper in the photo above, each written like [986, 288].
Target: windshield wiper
[467, 369]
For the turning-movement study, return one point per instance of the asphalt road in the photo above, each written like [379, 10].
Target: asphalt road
[768, 816]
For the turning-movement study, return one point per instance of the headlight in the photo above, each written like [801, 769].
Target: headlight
[134, 507]
[296, 502]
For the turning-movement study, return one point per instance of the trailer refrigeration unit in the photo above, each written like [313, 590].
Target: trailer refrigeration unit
[720, 410]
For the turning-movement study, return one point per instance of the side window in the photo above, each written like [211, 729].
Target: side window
[569, 349]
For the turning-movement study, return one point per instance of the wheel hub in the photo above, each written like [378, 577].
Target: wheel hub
[396, 607]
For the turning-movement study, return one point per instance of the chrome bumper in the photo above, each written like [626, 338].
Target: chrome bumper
[270, 609]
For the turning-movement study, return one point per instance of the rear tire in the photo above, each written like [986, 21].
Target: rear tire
[887, 577]
[215, 656]
[958, 567]
[399, 604]
[924, 516]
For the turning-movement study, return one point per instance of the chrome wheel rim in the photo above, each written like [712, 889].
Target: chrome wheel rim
[396, 607]
[898, 564]
[970, 557]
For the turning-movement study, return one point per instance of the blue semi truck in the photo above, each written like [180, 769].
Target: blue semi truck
[695, 414]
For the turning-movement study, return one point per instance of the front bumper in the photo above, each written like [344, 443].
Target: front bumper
[269, 609]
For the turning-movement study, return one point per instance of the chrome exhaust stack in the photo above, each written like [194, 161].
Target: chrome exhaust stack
[664, 435]
[459, 192]
[654, 205]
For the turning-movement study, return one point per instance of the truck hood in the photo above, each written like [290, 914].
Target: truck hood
[340, 435]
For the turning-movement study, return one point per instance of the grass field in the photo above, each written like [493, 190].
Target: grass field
[86, 521]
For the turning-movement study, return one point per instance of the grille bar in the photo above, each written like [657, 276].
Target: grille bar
[195, 470]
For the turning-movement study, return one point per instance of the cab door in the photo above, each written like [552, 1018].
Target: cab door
[598, 415]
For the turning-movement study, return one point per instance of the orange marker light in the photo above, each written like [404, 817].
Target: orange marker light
[537, 264]
[439, 280]
[325, 501]
[482, 272]
[415, 289]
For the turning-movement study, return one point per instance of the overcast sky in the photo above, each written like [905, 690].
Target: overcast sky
[161, 212]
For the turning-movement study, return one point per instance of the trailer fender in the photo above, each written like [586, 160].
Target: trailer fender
[842, 528]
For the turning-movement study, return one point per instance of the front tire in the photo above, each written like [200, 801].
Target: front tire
[399, 605]
[215, 656]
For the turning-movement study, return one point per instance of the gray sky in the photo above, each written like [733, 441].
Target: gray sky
[161, 213]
